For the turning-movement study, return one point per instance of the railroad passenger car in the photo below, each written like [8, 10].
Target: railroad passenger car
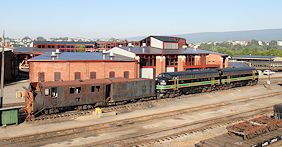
[52, 97]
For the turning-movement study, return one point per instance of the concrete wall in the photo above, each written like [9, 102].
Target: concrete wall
[68, 69]
[156, 43]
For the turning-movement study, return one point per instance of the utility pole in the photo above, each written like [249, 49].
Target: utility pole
[269, 64]
[2, 71]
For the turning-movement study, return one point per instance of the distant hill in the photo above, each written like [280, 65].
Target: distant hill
[263, 35]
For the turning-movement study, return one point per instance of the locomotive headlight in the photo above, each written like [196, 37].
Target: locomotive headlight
[163, 82]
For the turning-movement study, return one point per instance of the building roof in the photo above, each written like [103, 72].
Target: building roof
[32, 50]
[80, 56]
[233, 64]
[158, 51]
[63, 42]
[87, 82]
[253, 57]
[167, 38]
[5, 49]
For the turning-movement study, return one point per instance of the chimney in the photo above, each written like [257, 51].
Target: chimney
[143, 49]
[184, 46]
[129, 44]
[57, 53]
[112, 55]
[120, 45]
[129, 49]
[104, 54]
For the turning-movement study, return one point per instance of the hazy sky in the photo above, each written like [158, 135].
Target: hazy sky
[127, 18]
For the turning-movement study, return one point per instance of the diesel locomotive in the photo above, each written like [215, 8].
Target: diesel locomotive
[171, 84]
[52, 97]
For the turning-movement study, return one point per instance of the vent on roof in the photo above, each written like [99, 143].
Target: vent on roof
[184, 46]
[143, 44]
[53, 55]
[58, 51]
[104, 54]
[120, 45]
[112, 55]
[143, 49]
[129, 44]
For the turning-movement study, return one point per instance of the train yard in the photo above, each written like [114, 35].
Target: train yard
[149, 123]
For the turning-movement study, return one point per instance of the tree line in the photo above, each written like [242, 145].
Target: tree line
[252, 48]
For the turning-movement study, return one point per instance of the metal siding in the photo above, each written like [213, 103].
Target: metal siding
[132, 89]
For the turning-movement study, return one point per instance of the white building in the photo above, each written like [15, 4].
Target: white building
[279, 42]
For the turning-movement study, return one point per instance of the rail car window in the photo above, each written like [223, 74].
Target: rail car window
[72, 89]
[47, 92]
[75, 90]
[54, 92]
[92, 88]
[98, 88]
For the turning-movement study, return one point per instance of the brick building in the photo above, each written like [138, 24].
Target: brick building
[67, 66]
[153, 61]
[145, 59]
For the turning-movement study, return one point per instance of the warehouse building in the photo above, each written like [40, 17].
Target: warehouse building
[67, 66]
[153, 61]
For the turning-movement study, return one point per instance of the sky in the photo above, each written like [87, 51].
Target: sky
[131, 18]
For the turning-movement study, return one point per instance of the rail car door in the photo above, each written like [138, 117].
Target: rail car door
[108, 91]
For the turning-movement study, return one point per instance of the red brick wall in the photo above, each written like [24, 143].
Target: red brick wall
[215, 59]
[68, 69]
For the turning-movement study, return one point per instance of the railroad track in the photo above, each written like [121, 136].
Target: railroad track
[48, 137]
[185, 130]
